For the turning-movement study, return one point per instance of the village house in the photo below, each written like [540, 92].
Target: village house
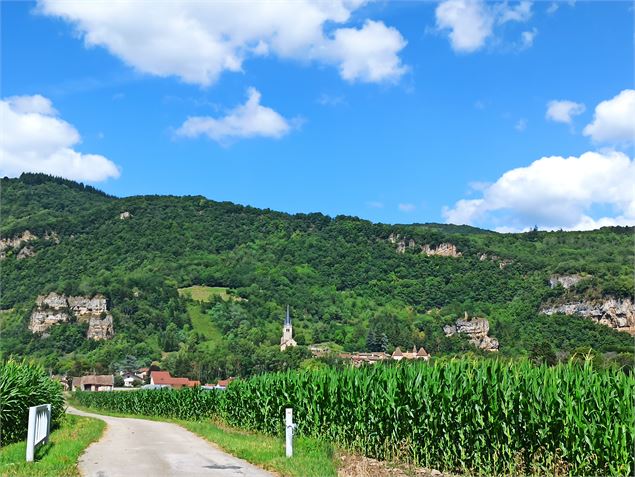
[357, 359]
[94, 382]
[163, 378]
[398, 355]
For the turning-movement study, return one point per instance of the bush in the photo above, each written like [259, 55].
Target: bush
[23, 385]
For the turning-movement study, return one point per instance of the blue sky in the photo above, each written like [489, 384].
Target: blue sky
[396, 112]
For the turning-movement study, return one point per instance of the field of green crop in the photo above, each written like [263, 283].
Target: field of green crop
[204, 293]
[483, 417]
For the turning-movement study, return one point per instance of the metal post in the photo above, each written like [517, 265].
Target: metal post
[30, 448]
[289, 431]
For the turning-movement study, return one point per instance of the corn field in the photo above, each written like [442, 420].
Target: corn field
[24, 384]
[481, 417]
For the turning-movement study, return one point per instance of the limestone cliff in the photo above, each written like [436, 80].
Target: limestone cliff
[476, 329]
[441, 250]
[53, 309]
[16, 242]
[613, 312]
[566, 281]
[20, 244]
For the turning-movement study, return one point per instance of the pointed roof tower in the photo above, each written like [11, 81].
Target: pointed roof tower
[287, 319]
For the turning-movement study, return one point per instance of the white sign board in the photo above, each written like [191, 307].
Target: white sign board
[39, 429]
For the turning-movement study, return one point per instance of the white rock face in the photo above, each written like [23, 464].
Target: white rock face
[567, 281]
[612, 312]
[15, 243]
[25, 252]
[476, 329]
[125, 215]
[54, 308]
[442, 250]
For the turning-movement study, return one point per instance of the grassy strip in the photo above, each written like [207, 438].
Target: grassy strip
[311, 457]
[57, 458]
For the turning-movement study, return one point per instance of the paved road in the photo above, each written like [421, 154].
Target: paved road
[137, 447]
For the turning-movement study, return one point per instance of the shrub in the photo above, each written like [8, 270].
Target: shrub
[22, 385]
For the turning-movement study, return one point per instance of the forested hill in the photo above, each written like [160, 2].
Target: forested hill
[347, 280]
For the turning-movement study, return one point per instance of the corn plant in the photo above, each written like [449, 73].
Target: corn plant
[22, 385]
[482, 417]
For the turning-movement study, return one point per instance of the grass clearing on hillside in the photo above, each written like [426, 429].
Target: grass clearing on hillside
[202, 324]
[311, 457]
[57, 458]
[203, 293]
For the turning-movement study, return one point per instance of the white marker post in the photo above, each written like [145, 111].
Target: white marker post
[289, 432]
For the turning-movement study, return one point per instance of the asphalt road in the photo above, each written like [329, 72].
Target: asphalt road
[137, 447]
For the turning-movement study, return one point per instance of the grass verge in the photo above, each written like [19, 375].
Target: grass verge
[57, 458]
[311, 457]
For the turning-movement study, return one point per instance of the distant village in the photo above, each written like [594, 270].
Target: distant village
[154, 378]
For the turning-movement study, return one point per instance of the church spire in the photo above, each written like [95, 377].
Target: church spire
[287, 320]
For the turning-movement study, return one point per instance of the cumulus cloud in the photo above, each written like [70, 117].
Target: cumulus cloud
[197, 41]
[247, 120]
[563, 111]
[556, 192]
[367, 54]
[471, 22]
[34, 139]
[614, 119]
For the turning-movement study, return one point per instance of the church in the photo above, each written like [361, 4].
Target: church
[287, 333]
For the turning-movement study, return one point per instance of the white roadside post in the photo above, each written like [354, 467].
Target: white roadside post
[289, 431]
[38, 430]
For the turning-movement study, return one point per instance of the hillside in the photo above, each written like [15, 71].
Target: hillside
[348, 281]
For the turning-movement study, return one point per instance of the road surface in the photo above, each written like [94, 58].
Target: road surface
[137, 447]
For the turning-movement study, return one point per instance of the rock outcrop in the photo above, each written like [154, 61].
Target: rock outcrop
[125, 215]
[19, 243]
[502, 262]
[16, 242]
[53, 309]
[25, 252]
[566, 281]
[476, 329]
[613, 312]
[441, 250]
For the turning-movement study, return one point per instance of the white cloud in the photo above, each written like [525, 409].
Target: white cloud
[614, 119]
[563, 111]
[520, 13]
[244, 121]
[471, 22]
[34, 139]
[197, 41]
[407, 207]
[556, 192]
[367, 54]
[521, 125]
[527, 38]
[552, 8]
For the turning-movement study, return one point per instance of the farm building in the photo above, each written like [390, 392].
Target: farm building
[94, 382]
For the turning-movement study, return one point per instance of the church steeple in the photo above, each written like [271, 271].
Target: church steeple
[287, 332]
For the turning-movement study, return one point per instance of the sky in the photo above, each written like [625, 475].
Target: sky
[502, 115]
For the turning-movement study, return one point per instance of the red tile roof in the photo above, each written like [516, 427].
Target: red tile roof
[164, 377]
